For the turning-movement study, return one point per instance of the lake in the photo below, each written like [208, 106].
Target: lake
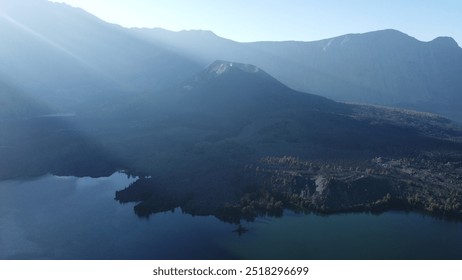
[53, 217]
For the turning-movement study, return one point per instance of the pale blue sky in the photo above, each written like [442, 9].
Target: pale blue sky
[305, 20]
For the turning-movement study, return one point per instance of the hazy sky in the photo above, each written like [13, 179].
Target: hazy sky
[258, 20]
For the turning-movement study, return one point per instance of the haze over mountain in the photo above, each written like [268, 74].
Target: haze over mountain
[383, 67]
[225, 137]
[85, 55]
[67, 56]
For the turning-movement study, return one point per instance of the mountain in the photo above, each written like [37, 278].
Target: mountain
[215, 111]
[235, 94]
[227, 138]
[237, 88]
[66, 56]
[383, 67]
[224, 137]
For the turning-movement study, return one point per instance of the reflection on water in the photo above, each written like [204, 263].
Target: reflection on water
[391, 235]
[77, 218]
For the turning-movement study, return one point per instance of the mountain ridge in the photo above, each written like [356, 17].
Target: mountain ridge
[384, 67]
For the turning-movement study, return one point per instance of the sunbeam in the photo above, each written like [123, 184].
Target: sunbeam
[333, 134]
[47, 41]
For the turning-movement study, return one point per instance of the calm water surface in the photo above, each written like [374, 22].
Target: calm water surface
[77, 218]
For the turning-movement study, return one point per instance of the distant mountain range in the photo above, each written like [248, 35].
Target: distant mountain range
[69, 55]
[383, 67]
[230, 129]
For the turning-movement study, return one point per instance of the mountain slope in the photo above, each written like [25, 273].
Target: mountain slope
[16, 104]
[68, 56]
[202, 141]
[241, 88]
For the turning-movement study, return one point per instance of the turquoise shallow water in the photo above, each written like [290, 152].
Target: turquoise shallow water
[77, 218]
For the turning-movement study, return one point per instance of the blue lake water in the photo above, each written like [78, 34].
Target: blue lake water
[77, 218]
